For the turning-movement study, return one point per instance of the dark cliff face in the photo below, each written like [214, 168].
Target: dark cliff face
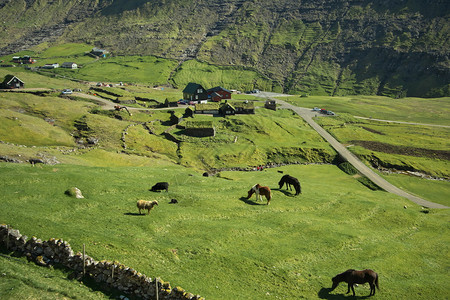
[396, 48]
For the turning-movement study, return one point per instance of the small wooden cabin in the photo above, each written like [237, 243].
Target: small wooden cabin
[12, 82]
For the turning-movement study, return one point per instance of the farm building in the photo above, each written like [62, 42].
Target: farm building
[199, 129]
[26, 59]
[218, 93]
[69, 65]
[244, 107]
[227, 109]
[50, 66]
[207, 108]
[99, 52]
[271, 104]
[12, 82]
[237, 107]
[188, 112]
[175, 118]
[194, 92]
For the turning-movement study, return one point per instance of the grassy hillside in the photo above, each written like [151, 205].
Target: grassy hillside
[415, 110]
[317, 234]
[214, 242]
[339, 48]
[231, 247]
[23, 280]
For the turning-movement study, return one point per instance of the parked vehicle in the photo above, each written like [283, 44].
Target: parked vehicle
[316, 109]
[66, 92]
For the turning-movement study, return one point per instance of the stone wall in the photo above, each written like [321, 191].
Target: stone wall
[112, 274]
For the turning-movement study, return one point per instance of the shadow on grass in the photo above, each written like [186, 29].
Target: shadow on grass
[133, 214]
[324, 293]
[285, 192]
[249, 202]
[69, 274]
[105, 289]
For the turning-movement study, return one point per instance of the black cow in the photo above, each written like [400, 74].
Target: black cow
[160, 186]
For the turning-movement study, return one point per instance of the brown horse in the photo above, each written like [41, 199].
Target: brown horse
[260, 191]
[353, 276]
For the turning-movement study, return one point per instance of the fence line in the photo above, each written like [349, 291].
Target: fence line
[112, 274]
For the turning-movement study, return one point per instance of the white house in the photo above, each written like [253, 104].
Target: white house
[50, 66]
[69, 65]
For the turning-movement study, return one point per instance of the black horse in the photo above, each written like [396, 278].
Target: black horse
[291, 181]
[353, 276]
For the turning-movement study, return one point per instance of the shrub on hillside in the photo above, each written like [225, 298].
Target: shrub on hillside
[348, 168]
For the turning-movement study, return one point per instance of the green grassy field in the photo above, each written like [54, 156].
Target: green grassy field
[420, 110]
[222, 246]
[252, 140]
[390, 143]
[22, 280]
[143, 70]
[215, 242]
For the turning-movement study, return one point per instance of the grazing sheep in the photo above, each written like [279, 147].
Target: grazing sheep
[148, 205]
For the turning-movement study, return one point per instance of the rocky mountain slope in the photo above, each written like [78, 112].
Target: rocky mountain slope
[396, 48]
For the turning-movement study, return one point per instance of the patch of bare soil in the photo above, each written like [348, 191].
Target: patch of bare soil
[403, 150]
[373, 130]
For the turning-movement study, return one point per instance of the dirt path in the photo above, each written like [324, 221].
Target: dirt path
[307, 115]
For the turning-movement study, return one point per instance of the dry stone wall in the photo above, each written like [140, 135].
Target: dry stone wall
[113, 274]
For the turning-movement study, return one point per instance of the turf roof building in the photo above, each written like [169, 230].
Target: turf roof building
[225, 108]
[207, 108]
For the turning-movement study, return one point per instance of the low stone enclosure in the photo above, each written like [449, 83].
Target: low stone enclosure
[56, 252]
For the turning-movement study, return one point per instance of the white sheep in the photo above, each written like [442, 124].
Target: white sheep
[148, 205]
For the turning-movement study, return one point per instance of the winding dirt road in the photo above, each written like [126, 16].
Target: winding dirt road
[307, 115]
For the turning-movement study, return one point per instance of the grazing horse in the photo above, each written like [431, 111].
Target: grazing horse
[353, 276]
[289, 180]
[260, 191]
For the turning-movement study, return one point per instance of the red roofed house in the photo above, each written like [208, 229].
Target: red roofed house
[218, 93]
